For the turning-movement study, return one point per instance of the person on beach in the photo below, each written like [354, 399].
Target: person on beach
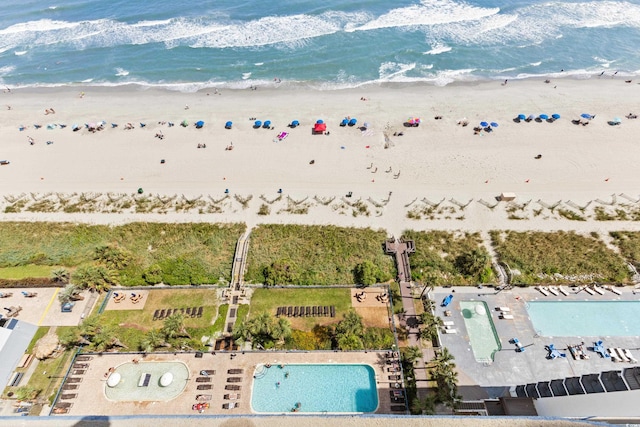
[30, 140]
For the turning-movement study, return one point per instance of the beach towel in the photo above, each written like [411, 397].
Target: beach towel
[282, 135]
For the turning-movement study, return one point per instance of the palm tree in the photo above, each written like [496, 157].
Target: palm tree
[152, 340]
[426, 406]
[174, 326]
[60, 275]
[412, 354]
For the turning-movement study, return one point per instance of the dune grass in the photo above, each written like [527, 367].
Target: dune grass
[175, 248]
[563, 257]
[24, 271]
[436, 255]
[315, 255]
[629, 244]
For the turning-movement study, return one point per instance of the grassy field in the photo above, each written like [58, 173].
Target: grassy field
[131, 325]
[315, 255]
[629, 244]
[24, 271]
[560, 256]
[203, 252]
[270, 299]
[437, 252]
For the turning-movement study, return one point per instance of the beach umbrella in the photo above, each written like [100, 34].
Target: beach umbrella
[585, 116]
[228, 125]
[353, 121]
[344, 122]
[257, 124]
[531, 117]
[493, 124]
[544, 116]
[414, 120]
[555, 116]
[295, 123]
[484, 124]
[521, 117]
[199, 124]
[184, 123]
[616, 120]
[320, 122]
[267, 124]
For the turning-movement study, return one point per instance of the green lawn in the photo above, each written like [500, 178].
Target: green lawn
[132, 325]
[24, 271]
[270, 299]
[437, 252]
[541, 257]
[315, 255]
[200, 252]
[40, 332]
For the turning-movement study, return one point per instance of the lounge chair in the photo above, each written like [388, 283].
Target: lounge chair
[295, 311]
[235, 371]
[278, 311]
[589, 290]
[629, 356]
[230, 405]
[563, 291]
[308, 311]
[506, 316]
[208, 372]
[156, 314]
[621, 355]
[204, 387]
[232, 387]
[169, 311]
[598, 290]
[394, 377]
[232, 379]
[68, 396]
[314, 311]
[448, 323]
[301, 312]
[614, 355]
[188, 311]
[204, 397]
[450, 331]
[200, 310]
[332, 311]
[503, 309]
[203, 380]
[326, 310]
[232, 396]
[542, 290]
[554, 290]
[289, 311]
[398, 408]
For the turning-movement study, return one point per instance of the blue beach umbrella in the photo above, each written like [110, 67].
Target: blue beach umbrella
[544, 116]
[616, 120]
[320, 122]
[228, 125]
[493, 124]
[555, 116]
[521, 117]
[586, 116]
[267, 124]
[344, 122]
[199, 124]
[295, 123]
[484, 124]
[257, 124]
[353, 121]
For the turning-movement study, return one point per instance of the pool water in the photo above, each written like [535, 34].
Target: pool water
[482, 333]
[128, 390]
[315, 388]
[585, 318]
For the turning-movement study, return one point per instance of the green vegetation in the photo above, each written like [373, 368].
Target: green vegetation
[443, 373]
[443, 257]
[566, 256]
[314, 255]
[40, 332]
[263, 331]
[629, 244]
[24, 271]
[138, 253]
[218, 325]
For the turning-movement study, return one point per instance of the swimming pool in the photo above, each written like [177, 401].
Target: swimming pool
[315, 387]
[482, 333]
[585, 318]
[130, 388]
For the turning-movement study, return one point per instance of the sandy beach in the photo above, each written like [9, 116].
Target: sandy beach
[445, 173]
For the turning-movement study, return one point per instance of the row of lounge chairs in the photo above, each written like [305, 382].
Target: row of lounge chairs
[621, 355]
[308, 311]
[591, 290]
[188, 312]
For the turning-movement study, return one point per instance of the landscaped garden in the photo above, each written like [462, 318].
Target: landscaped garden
[537, 257]
[315, 255]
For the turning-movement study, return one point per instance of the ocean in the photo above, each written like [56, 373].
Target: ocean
[331, 44]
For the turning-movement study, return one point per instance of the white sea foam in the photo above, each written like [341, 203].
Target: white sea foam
[535, 64]
[437, 49]
[245, 76]
[121, 72]
[257, 64]
[392, 71]
[20, 52]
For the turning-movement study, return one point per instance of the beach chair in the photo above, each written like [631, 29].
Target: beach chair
[332, 311]
[204, 397]
[326, 311]
[232, 396]
[235, 371]
[295, 311]
[232, 387]
[542, 290]
[503, 309]
[229, 405]
[188, 311]
[319, 311]
[156, 314]
[278, 311]
[233, 379]
[613, 355]
[621, 355]
[289, 311]
[589, 290]
[203, 380]
[554, 290]
[169, 311]
[208, 372]
[200, 310]
[504, 316]
[450, 331]
[614, 290]
[204, 387]
[629, 356]
[563, 291]
[598, 290]
[308, 311]
[448, 323]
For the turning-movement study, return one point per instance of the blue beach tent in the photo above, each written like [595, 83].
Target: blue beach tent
[257, 124]
[228, 125]
[353, 122]
[267, 124]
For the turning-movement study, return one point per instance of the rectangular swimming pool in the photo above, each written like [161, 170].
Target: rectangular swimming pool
[482, 333]
[585, 318]
[314, 388]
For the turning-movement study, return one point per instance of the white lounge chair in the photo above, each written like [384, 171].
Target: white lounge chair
[448, 323]
[506, 316]
[589, 290]
[613, 354]
[563, 291]
[450, 331]
[553, 290]
[542, 290]
[629, 356]
[614, 290]
[598, 290]
[621, 355]
[504, 309]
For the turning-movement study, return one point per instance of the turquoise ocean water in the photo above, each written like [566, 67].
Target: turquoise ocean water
[327, 44]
